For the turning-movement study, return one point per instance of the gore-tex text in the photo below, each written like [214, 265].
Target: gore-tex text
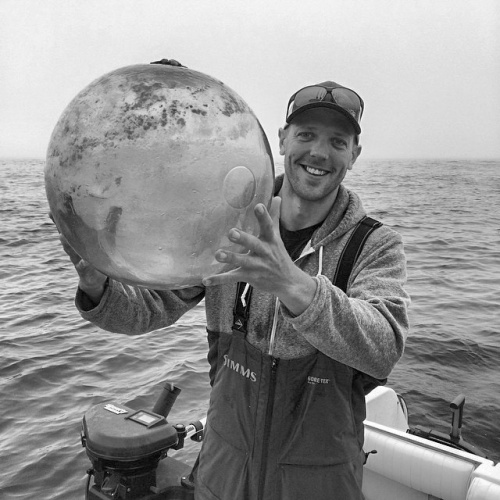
[317, 380]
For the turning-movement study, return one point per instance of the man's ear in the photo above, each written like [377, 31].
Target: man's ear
[356, 151]
[282, 133]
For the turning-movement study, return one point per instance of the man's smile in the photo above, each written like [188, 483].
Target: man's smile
[313, 170]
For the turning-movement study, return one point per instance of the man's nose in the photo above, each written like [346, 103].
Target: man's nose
[319, 149]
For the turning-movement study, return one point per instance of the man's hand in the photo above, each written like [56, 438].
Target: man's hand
[266, 265]
[92, 281]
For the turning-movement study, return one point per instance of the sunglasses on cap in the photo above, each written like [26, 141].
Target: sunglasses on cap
[329, 95]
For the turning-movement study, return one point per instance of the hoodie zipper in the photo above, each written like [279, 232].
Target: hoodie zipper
[272, 385]
[267, 427]
[272, 340]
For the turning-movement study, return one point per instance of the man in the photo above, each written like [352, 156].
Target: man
[292, 354]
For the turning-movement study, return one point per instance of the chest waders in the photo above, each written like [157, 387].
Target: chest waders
[283, 429]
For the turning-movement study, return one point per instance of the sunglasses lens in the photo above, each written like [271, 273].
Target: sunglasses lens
[309, 94]
[343, 97]
[347, 99]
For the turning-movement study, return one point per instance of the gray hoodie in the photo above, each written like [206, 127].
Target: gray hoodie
[364, 328]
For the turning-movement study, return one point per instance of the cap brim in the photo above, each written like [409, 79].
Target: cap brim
[329, 105]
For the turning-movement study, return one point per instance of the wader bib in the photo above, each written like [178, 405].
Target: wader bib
[280, 429]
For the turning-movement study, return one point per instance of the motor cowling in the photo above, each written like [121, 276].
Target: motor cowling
[125, 447]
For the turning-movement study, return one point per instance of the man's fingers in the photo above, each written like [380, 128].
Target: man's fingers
[251, 262]
[231, 258]
[232, 276]
[51, 217]
[275, 212]
[75, 258]
[247, 241]
[266, 223]
[92, 281]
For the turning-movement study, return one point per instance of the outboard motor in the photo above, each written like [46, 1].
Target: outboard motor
[128, 450]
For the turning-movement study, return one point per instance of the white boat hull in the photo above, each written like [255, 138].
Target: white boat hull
[408, 467]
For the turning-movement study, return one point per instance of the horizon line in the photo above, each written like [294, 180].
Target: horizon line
[361, 159]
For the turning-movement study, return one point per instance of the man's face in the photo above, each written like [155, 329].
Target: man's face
[319, 147]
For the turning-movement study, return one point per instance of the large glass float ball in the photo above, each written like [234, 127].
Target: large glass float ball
[149, 167]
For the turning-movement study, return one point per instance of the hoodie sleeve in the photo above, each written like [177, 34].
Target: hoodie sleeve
[366, 327]
[135, 310]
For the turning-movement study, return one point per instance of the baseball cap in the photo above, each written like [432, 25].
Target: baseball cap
[328, 95]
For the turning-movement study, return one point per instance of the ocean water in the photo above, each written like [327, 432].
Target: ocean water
[54, 366]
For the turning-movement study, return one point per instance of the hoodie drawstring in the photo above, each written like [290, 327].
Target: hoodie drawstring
[320, 264]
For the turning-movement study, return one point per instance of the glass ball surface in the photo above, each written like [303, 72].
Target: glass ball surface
[149, 167]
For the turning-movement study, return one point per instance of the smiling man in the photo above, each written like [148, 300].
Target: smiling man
[311, 318]
[328, 316]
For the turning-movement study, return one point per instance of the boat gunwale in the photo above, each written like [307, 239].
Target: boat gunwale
[426, 443]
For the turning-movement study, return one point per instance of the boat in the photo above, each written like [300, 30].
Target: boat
[129, 449]
[407, 466]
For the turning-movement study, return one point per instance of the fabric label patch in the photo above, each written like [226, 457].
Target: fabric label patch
[317, 380]
[240, 369]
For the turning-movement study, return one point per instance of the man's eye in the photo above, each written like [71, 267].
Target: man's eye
[339, 143]
[304, 135]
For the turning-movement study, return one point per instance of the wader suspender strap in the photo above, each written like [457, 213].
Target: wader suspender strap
[352, 250]
[347, 259]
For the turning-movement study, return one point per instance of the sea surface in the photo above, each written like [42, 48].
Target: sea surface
[54, 366]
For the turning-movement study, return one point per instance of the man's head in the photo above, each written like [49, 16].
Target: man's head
[319, 141]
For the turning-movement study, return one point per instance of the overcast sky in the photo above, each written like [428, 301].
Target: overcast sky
[428, 70]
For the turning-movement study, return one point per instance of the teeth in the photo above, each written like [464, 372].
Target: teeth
[314, 171]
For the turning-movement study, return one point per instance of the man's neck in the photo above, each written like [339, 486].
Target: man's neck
[297, 213]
